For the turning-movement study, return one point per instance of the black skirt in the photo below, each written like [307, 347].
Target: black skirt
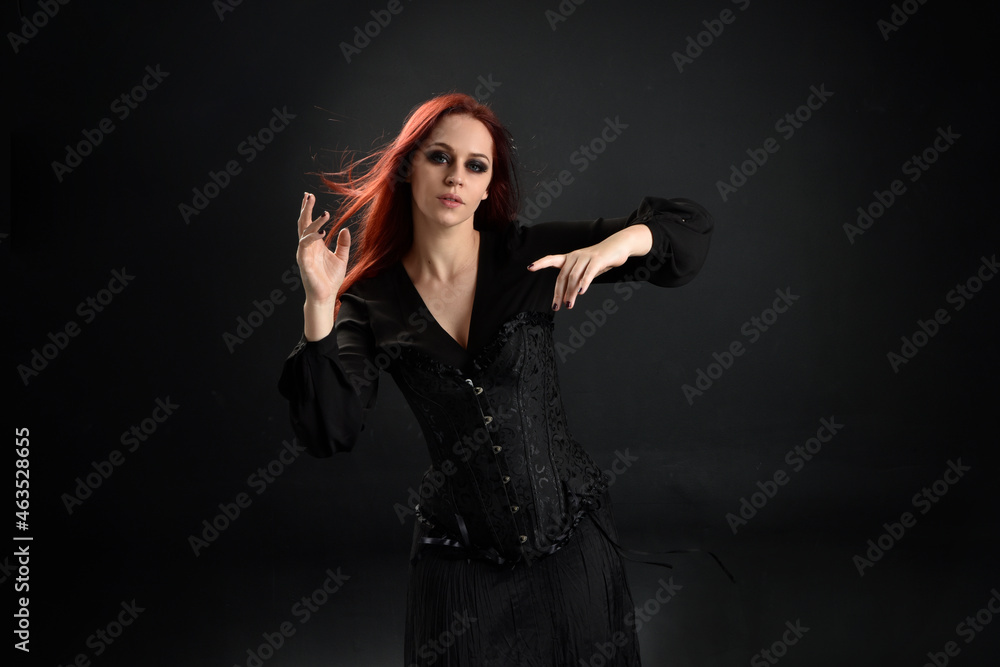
[571, 607]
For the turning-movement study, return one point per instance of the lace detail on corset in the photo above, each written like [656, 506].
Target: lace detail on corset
[513, 325]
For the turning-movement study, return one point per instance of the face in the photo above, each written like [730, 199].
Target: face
[451, 172]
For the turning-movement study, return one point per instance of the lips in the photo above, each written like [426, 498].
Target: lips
[451, 199]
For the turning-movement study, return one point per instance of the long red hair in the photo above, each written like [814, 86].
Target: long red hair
[381, 195]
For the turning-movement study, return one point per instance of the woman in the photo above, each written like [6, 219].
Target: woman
[514, 558]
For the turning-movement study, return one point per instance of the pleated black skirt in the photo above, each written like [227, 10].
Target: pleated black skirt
[570, 608]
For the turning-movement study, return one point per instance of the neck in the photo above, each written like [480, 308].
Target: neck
[441, 253]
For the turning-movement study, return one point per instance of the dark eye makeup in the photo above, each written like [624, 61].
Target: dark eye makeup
[441, 157]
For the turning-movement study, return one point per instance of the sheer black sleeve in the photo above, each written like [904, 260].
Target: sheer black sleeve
[330, 383]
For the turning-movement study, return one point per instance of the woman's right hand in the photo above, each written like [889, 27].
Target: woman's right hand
[322, 271]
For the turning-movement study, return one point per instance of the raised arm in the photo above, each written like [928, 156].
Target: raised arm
[328, 379]
[669, 237]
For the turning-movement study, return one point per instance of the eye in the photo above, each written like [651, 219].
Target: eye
[478, 167]
[438, 156]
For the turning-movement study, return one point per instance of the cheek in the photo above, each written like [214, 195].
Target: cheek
[420, 181]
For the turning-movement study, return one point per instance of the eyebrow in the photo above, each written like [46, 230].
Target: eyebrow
[446, 146]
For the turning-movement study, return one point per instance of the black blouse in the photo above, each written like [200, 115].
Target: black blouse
[507, 480]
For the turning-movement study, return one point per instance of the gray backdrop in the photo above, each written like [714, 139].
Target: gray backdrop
[818, 407]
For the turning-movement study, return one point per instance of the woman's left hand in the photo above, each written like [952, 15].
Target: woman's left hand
[578, 269]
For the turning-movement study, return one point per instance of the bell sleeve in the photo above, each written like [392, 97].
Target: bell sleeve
[681, 229]
[332, 382]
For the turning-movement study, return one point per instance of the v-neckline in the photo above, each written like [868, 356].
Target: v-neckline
[467, 348]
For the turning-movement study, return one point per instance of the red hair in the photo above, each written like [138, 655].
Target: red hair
[382, 196]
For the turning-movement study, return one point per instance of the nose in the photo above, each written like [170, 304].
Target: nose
[453, 178]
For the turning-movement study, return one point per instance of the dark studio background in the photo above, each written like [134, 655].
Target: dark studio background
[162, 336]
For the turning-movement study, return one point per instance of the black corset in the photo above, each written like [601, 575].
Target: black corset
[506, 478]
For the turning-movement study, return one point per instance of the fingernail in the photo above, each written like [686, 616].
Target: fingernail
[531, 265]
[567, 305]
[555, 306]
[581, 291]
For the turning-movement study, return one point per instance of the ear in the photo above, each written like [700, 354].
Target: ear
[486, 193]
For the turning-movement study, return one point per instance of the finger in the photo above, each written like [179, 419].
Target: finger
[306, 223]
[316, 230]
[566, 277]
[308, 239]
[586, 280]
[585, 283]
[305, 213]
[343, 244]
[319, 225]
[594, 269]
[574, 280]
[547, 262]
[314, 233]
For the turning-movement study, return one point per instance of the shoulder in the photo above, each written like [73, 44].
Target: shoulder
[372, 287]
